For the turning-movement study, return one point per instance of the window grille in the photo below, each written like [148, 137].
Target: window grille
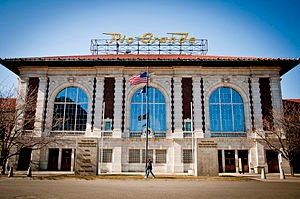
[107, 155]
[161, 156]
[187, 156]
[134, 155]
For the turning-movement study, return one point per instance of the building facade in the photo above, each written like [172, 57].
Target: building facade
[87, 101]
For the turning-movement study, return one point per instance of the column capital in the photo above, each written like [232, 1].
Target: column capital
[118, 78]
[177, 79]
[196, 79]
[43, 78]
[99, 78]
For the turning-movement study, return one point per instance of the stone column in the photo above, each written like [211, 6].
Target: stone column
[223, 160]
[43, 158]
[197, 103]
[260, 157]
[276, 93]
[118, 107]
[21, 98]
[117, 157]
[40, 106]
[236, 159]
[35, 157]
[256, 103]
[72, 159]
[59, 159]
[98, 106]
[178, 133]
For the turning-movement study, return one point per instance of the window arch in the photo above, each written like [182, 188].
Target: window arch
[70, 110]
[226, 111]
[157, 111]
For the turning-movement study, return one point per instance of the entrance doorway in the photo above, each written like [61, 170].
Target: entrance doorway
[243, 161]
[66, 159]
[296, 163]
[272, 161]
[53, 159]
[24, 159]
[220, 161]
[229, 161]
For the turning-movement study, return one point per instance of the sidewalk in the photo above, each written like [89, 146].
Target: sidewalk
[270, 177]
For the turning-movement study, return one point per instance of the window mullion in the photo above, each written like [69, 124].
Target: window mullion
[76, 102]
[220, 105]
[65, 106]
[232, 112]
[153, 111]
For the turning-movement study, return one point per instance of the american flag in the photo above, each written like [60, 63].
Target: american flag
[137, 79]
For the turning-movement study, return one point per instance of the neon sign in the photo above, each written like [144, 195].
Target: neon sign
[148, 43]
[149, 38]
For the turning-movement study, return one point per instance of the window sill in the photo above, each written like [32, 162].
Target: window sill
[228, 134]
[67, 133]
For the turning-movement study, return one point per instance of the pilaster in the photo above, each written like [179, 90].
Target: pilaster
[21, 98]
[276, 93]
[98, 106]
[177, 108]
[256, 103]
[40, 106]
[197, 103]
[118, 107]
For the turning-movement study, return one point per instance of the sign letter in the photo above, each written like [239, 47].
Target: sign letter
[147, 37]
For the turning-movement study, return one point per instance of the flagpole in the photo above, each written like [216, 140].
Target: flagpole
[102, 129]
[147, 119]
[193, 145]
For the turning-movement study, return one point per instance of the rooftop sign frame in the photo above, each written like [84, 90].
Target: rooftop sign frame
[174, 43]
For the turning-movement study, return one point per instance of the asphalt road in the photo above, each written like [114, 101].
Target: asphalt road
[146, 188]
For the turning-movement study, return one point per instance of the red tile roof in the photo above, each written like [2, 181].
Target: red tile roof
[292, 100]
[138, 60]
[148, 57]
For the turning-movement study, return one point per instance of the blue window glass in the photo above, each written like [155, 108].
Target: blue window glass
[188, 126]
[157, 111]
[226, 111]
[107, 126]
[70, 110]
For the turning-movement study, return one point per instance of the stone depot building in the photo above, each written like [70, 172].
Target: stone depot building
[202, 109]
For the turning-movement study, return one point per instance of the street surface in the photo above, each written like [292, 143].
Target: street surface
[22, 188]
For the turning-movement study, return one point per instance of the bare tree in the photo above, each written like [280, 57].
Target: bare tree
[17, 117]
[282, 132]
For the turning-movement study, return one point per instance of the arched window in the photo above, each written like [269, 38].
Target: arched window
[70, 110]
[157, 111]
[226, 111]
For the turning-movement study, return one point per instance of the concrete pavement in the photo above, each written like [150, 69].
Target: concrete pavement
[134, 186]
[25, 188]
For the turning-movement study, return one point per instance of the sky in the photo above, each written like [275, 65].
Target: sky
[259, 28]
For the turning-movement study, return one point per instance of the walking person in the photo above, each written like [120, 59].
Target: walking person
[149, 169]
